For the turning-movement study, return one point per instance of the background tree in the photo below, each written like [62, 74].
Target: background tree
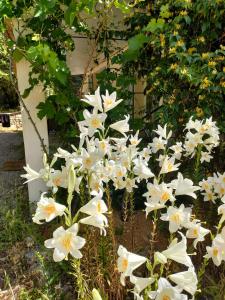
[8, 98]
[178, 46]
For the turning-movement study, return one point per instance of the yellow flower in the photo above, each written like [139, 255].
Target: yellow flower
[180, 43]
[205, 55]
[212, 63]
[173, 66]
[222, 47]
[191, 50]
[178, 26]
[199, 112]
[184, 71]
[205, 83]
[183, 13]
[201, 97]
[158, 68]
[222, 83]
[172, 50]
[162, 39]
[175, 32]
[201, 39]
[171, 100]
[219, 58]
[36, 37]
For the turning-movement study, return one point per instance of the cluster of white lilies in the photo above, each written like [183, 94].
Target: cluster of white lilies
[101, 160]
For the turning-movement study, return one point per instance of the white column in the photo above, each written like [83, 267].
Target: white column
[33, 149]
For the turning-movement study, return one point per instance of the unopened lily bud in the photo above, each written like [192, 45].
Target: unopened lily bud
[72, 179]
[53, 161]
[45, 160]
[160, 258]
[96, 295]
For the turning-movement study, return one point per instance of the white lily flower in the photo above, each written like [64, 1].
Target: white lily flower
[128, 262]
[166, 292]
[95, 208]
[177, 149]
[57, 179]
[204, 133]
[61, 153]
[178, 252]
[141, 169]
[209, 196]
[162, 132]
[165, 193]
[206, 185]
[98, 220]
[140, 283]
[93, 121]
[134, 139]
[217, 251]
[96, 184]
[65, 242]
[158, 143]
[31, 174]
[205, 156]
[88, 159]
[153, 205]
[94, 100]
[47, 209]
[130, 184]
[109, 101]
[121, 126]
[184, 186]
[197, 232]
[186, 280]
[103, 146]
[221, 211]
[145, 153]
[119, 171]
[168, 165]
[177, 217]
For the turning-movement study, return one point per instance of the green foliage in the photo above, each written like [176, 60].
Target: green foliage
[183, 59]
[8, 98]
[44, 41]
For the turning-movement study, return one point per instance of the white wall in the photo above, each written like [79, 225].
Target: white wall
[33, 150]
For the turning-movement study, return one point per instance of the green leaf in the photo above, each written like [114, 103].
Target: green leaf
[136, 42]
[164, 11]
[46, 109]
[17, 55]
[70, 13]
[154, 25]
[134, 45]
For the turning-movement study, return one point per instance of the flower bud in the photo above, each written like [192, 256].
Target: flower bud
[160, 258]
[96, 295]
[72, 179]
[45, 160]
